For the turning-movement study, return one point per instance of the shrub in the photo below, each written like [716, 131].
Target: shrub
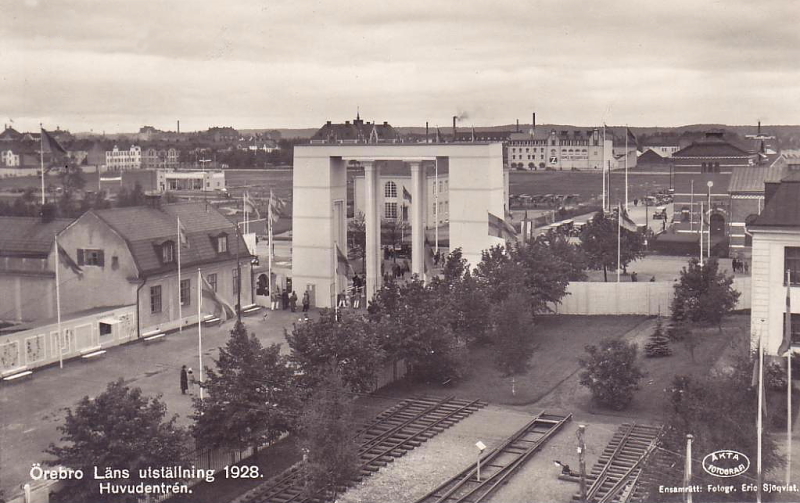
[611, 373]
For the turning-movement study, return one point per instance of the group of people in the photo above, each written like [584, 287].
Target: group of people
[740, 265]
[285, 300]
[187, 380]
[351, 297]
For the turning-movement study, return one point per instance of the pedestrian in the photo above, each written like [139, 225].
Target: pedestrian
[285, 299]
[385, 277]
[653, 279]
[634, 277]
[636, 202]
[184, 380]
[190, 380]
[340, 300]
[746, 268]
[735, 264]
[293, 301]
[306, 301]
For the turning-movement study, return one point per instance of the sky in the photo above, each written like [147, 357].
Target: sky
[111, 65]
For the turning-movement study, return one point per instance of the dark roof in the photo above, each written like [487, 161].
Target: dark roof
[28, 236]
[651, 157]
[358, 130]
[712, 145]
[146, 228]
[783, 209]
[10, 134]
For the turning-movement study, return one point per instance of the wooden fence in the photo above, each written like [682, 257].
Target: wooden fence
[648, 298]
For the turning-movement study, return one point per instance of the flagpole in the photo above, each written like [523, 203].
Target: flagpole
[691, 205]
[269, 245]
[701, 233]
[41, 161]
[58, 306]
[335, 282]
[760, 421]
[200, 327]
[180, 299]
[626, 167]
[619, 239]
[789, 383]
[436, 203]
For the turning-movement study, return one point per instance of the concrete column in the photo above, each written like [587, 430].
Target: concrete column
[372, 222]
[378, 212]
[417, 211]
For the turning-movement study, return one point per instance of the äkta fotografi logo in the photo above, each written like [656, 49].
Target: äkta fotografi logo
[726, 463]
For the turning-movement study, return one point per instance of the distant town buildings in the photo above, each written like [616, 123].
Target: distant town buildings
[153, 158]
[356, 132]
[124, 160]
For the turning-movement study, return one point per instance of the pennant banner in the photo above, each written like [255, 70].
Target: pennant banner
[67, 260]
[222, 309]
[500, 228]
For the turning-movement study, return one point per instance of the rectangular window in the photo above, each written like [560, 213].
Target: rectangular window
[186, 292]
[391, 210]
[235, 281]
[167, 253]
[91, 257]
[791, 261]
[155, 299]
[222, 244]
[795, 327]
[212, 280]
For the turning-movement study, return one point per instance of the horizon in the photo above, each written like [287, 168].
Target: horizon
[101, 66]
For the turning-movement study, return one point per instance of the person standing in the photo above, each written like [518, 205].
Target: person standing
[306, 301]
[184, 380]
[293, 301]
[285, 299]
[190, 380]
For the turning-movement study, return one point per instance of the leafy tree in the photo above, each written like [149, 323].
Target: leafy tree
[497, 271]
[547, 270]
[720, 411]
[119, 429]
[572, 256]
[513, 333]
[465, 299]
[413, 324]
[599, 243]
[326, 435]
[250, 396]
[658, 345]
[703, 294]
[350, 344]
[72, 178]
[611, 372]
[357, 232]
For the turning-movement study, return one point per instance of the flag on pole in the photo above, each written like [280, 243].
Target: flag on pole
[500, 228]
[787, 329]
[50, 145]
[343, 266]
[275, 207]
[631, 136]
[250, 205]
[221, 308]
[429, 262]
[626, 223]
[182, 237]
[406, 194]
[67, 260]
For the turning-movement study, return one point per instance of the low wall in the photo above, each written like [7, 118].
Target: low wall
[648, 298]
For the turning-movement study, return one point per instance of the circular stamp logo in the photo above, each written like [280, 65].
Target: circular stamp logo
[725, 463]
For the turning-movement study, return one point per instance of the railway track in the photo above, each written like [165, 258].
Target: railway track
[616, 475]
[387, 437]
[498, 465]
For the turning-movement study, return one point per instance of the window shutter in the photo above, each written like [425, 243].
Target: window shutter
[80, 256]
[100, 258]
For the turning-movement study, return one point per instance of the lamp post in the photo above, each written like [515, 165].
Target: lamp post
[708, 251]
[481, 447]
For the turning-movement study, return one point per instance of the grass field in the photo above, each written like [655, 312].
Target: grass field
[588, 184]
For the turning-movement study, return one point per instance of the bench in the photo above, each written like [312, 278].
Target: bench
[17, 373]
[92, 352]
[250, 309]
[210, 320]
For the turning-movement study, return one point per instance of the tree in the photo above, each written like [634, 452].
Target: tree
[326, 435]
[658, 345]
[513, 333]
[465, 299]
[547, 270]
[251, 399]
[413, 324]
[350, 344]
[72, 178]
[119, 429]
[135, 197]
[703, 294]
[720, 411]
[611, 372]
[357, 232]
[599, 243]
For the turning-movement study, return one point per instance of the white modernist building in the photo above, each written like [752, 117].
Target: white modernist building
[477, 186]
[167, 179]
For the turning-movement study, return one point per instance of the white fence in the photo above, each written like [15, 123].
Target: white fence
[649, 298]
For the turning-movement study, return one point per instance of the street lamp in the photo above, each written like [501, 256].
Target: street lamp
[481, 447]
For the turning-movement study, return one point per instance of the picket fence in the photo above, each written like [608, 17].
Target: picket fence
[648, 298]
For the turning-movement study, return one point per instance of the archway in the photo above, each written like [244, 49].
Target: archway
[262, 285]
[717, 223]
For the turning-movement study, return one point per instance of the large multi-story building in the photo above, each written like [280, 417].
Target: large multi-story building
[559, 150]
[123, 160]
[160, 158]
[356, 132]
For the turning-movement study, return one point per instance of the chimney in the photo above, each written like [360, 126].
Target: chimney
[426, 131]
[533, 121]
[517, 125]
[179, 127]
[759, 127]
[455, 118]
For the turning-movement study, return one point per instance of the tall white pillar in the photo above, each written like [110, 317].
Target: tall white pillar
[372, 224]
[417, 211]
[378, 257]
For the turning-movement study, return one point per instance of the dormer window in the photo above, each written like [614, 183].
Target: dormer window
[168, 252]
[222, 243]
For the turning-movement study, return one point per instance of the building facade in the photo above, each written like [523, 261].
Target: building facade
[129, 256]
[776, 249]
[164, 158]
[190, 180]
[562, 150]
[123, 160]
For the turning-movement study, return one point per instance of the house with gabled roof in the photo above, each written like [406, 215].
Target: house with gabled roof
[130, 256]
